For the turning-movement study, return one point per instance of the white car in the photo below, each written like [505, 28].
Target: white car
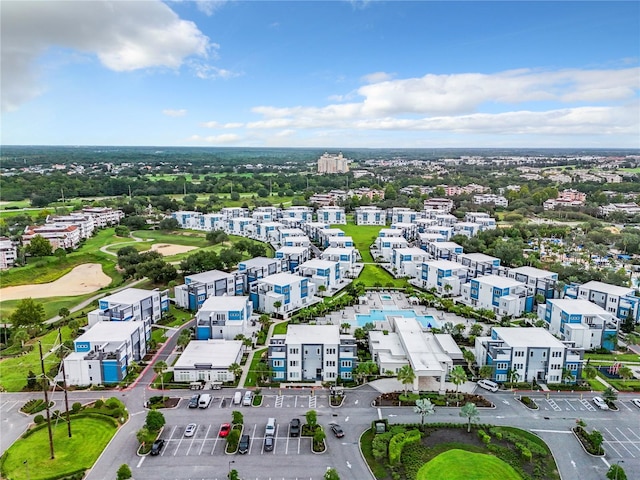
[190, 430]
[600, 403]
[636, 402]
[488, 385]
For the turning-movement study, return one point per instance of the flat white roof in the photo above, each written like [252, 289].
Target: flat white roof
[527, 337]
[479, 257]
[578, 306]
[607, 288]
[291, 231]
[218, 353]
[129, 295]
[224, 303]
[449, 345]
[258, 262]
[313, 334]
[411, 251]
[533, 272]
[207, 277]
[500, 282]
[444, 264]
[281, 279]
[316, 263]
[292, 249]
[390, 343]
[423, 351]
[110, 332]
[338, 250]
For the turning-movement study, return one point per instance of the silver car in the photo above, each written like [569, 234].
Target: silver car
[190, 430]
[600, 403]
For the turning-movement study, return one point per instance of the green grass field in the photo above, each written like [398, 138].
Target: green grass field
[90, 435]
[14, 371]
[363, 236]
[252, 378]
[52, 305]
[462, 465]
[376, 276]
[622, 357]
[280, 328]
[630, 170]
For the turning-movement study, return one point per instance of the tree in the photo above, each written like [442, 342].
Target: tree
[154, 421]
[184, 338]
[124, 472]
[406, 376]
[345, 327]
[39, 247]
[458, 376]
[20, 336]
[331, 474]
[476, 329]
[64, 312]
[609, 395]
[470, 358]
[159, 368]
[169, 224]
[616, 472]
[366, 369]
[590, 372]
[628, 324]
[122, 231]
[312, 418]
[319, 436]
[626, 373]
[234, 475]
[424, 408]
[486, 371]
[512, 375]
[277, 304]
[613, 338]
[236, 369]
[216, 236]
[470, 411]
[142, 435]
[27, 313]
[32, 381]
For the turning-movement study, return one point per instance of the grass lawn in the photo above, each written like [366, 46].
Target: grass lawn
[188, 238]
[363, 236]
[14, 371]
[596, 385]
[462, 465]
[52, 305]
[251, 380]
[620, 357]
[280, 328]
[158, 334]
[90, 436]
[375, 275]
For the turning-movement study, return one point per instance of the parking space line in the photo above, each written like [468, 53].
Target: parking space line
[192, 440]
[625, 406]
[168, 440]
[569, 403]
[11, 407]
[628, 439]
[205, 440]
[587, 405]
[215, 444]
[279, 400]
[275, 439]
[554, 405]
[614, 448]
[619, 442]
[253, 436]
[633, 433]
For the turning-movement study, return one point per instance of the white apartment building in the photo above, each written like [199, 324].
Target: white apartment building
[223, 317]
[292, 292]
[85, 222]
[200, 286]
[332, 215]
[131, 305]
[333, 163]
[323, 273]
[346, 257]
[478, 264]
[502, 295]
[403, 215]
[538, 281]
[312, 353]
[384, 247]
[620, 301]
[104, 216]
[407, 262]
[8, 253]
[370, 215]
[293, 256]
[208, 361]
[497, 200]
[440, 273]
[60, 236]
[444, 250]
[301, 214]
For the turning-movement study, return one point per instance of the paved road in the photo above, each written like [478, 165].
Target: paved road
[292, 458]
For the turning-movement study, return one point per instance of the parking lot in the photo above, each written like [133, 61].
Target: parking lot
[206, 441]
[575, 404]
[623, 441]
[276, 401]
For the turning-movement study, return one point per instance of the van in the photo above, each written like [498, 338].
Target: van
[247, 399]
[205, 400]
[270, 429]
[488, 385]
[237, 398]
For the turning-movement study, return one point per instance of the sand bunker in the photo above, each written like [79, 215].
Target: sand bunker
[85, 278]
[167, 249]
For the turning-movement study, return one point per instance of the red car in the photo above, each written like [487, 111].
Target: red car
[225, 428]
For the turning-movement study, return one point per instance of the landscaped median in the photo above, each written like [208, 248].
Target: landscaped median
[92, 428]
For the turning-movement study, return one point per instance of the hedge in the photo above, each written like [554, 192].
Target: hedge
[400, 440]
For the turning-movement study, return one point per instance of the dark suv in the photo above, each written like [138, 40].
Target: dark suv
[294, 428]
[193, 401]
[156, 448]
[243, 446]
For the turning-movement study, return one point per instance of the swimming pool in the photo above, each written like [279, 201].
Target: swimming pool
[381, 315]
[385, 297]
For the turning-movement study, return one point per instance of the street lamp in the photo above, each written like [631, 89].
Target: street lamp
[229, 473]
[26, 464]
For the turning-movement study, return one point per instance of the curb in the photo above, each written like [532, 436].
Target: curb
[583, 447]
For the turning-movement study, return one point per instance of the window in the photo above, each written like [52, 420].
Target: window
[556, 354]
[331, 351]
[293, 351]
[573, 367]
[346, 375]
[220, 317]
[531, 354]
[345, 363]
[330, 363]
[293, 363]
[278, 363]
[518, 353]
[502, 366]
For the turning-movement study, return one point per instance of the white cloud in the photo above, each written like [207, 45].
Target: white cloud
[377, 77]
[225, 138]
[208, 72]
[214, 124]
[124, 36]
[174, 113]
[209, 7]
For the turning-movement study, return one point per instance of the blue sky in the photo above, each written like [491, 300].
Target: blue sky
[321, 74]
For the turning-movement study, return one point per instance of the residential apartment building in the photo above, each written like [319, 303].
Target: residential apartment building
[282, 293]
[85, 222]
[323, 273]
[478, 264]
[59, 236]
[437, 274]
[332, 215]
[497, 200]
[531, 354]
[333, 163]
[104, 216]
[346, 257]
[8, 253]
[538, 281]
[131, 305]
[438, 205]
[223, 317]
[407, 262]
[620, 301]
[584, 323]
[208, 361]
[402, 215]
[200, 286]
[302, 214]
[252, 270]
[312, 353]
[370, 215]
[293, 256]
[444, 250]
[504, 296]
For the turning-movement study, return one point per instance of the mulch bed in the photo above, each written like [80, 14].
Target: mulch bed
[393, 400]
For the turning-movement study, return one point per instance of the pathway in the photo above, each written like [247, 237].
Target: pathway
[135, 240]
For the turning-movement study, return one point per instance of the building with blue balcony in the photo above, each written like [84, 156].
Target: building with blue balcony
[299, 241]
[619, 301]
[478, 264]
[312, 353]
[423, 223]
[527, 355]
[484, 219]
[332, 215]
[252, 270]
[370, 215]
[538, 281]
[313, 229]
[283, 294]
[102, 354]
[445, 231]
[402, 215]
[346, 257]
[200, 286]
[293, 256]
[444, 250]
[323, 273]
[424, 239]
[223, 318]
[301, 214]
[242, 226]
[187, 219]
[340, 241]
[326, 234]
[409, 230]
[407, 262]
[468, 229]
[131, 305]
[437, 274]
[504, 296]
[384, 246]
[584, 323]
[267, 231]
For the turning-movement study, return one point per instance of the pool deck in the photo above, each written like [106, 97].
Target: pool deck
[379, 301]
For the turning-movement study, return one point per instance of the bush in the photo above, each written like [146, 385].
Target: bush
[98, 404]
[232, 440]
[38, 419]
[76, 407]
[155, 420]
[400, 440]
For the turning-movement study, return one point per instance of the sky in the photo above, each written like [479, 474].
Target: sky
[334, 74]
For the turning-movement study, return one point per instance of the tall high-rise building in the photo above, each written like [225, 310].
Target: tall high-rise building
[333, 163]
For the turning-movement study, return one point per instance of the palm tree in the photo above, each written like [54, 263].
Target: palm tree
[235, 369]
[566, 375]
[626, 373]
[470, 358]
[277, 304]
[486, 371]
[20, 336]
[471, 412]
[345, 327]
[512, 375]
[589, 372]
[160, 367]
[424, 407]
[406, 376]
[458, 376]
[609, 395]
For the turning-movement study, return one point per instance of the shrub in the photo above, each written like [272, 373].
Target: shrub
[76, 407]
[398, 441]
[232, 440]
[38, 419]
[98, 404]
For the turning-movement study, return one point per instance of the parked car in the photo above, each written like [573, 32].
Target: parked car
[225, 428]
[269, 441]
[247, 399]
[156, 448]
[600, 403]
[193, 401]
[488, 385]
[294, 428]
[636, 402]
[243, 446]
[337, 430]
[190, 430]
